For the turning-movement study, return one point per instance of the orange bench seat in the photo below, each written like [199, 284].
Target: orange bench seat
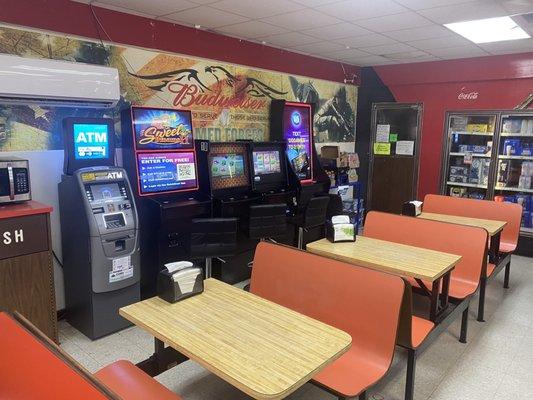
[130, 383]
[362, 302]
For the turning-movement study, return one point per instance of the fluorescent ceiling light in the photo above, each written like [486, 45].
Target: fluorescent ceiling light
[489, 30]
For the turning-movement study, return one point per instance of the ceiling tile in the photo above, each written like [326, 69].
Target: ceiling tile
[424, 32]
[465, 12]
[206, 16]
[348, 54]
[458, 52]
[424, 4]
[509, 46]
[313, 3]
[320, 47]
[303, 19]
[351, 10]
[289, 39]
[369, 61]
[408, 55]
[394, 22]
[375, 39]
[439, 43]
[204, 1]
[337, 31]
[257, 9]
[152, 8]
[251, 30]
[388, 49]
[517, 6]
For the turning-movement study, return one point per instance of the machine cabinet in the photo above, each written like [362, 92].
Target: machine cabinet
[26, 270]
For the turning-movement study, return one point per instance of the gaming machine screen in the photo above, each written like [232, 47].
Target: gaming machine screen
[166, 172]
[162, 129]
[297, 134]
[266, 162]
[91, 141]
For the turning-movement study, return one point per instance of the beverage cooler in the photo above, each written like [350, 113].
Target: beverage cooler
[489, 155]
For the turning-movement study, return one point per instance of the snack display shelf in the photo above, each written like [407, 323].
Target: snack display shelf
[507, 134]
[513, 189]
[473, 155]
[504, 157]
[472, 185]
[472, 133]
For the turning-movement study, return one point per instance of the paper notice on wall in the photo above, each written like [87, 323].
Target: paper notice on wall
[393, 137]
[405, 147]
[382, 149]
[122, 269]
[382, 133]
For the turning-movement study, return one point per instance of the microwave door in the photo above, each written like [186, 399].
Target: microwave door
[11, 182]
[4, 183]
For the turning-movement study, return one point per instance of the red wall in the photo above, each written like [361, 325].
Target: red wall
[497, 82]
[76, 18]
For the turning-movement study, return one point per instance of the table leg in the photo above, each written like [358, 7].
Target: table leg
[445, 295]
[163, 359]
[494, 251]
[434, 305]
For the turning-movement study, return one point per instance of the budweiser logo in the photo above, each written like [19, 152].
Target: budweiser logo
[465, 95]
[192, 87]
[166, 136]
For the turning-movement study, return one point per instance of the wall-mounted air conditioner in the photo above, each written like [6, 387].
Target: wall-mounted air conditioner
[58, 83]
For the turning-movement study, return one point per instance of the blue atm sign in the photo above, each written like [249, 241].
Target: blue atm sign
[91, 141]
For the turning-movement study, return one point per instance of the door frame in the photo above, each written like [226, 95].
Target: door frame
[373, 126]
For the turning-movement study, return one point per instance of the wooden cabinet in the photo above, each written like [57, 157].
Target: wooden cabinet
[26, 270]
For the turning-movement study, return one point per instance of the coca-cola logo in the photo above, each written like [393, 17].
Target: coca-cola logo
[466, 95]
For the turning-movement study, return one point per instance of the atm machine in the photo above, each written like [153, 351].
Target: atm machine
[161, 158]
[99, 230]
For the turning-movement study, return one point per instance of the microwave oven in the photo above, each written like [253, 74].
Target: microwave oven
[14, 180]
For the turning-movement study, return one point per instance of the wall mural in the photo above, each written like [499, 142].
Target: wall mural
[228, 102]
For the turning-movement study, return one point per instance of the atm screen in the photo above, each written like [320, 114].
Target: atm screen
[91, 141]
[105, 191]
[266, 162]
[166, 172]
[297, 133]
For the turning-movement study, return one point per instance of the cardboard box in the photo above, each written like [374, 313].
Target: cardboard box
[329, 152]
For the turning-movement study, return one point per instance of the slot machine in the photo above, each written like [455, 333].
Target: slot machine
[160, 154]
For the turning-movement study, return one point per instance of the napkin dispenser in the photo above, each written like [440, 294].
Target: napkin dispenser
[340, 229]
[412, 208]
[179, 280]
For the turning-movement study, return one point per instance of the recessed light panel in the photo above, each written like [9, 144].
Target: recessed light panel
[489, 30]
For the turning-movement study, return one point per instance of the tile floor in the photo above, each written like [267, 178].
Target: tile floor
[497, 362]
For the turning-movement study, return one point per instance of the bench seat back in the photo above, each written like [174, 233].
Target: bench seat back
[468, 242]
[483, 209]
[362, 302]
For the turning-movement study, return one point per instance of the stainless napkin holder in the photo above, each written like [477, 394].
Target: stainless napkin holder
[340, 229]
[180, 283]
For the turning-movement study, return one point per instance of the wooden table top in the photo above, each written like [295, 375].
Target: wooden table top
[492, 226]
[398, 259]
[261, 348]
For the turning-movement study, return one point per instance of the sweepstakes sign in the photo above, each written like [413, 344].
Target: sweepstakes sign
[166, 172]
[297, 134]
[91, 141]
[162, 129]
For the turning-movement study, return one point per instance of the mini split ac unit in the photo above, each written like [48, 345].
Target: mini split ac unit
[58, 83]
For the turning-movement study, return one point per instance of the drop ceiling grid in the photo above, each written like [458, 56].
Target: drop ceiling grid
[361, 32]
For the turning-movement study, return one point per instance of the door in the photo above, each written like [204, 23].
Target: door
[394, 155]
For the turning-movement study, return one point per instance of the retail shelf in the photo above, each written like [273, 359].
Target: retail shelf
[513, 189]
[517, 134]
[473, 133]
[503, 157]
[526, 231]
[472, 185]
[473, 155]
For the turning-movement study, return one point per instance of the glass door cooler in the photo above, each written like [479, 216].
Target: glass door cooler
[514, 168]
[469, 154]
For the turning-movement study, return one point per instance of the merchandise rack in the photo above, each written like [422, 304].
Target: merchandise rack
[512, 146]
